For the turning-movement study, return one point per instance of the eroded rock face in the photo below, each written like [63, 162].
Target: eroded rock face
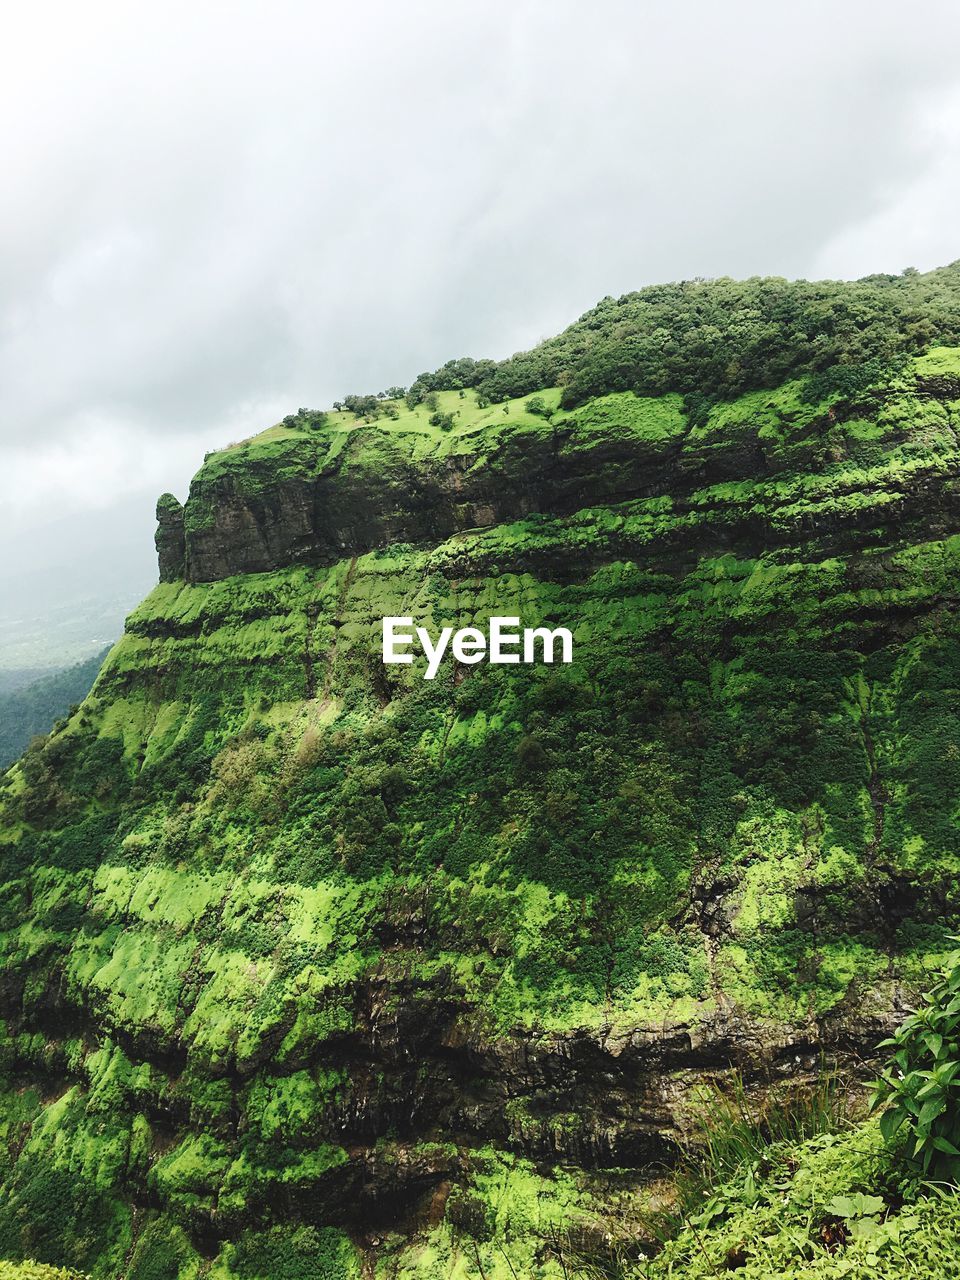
[251, 516]
[318, 497]
[423, 1086]
[170, 538]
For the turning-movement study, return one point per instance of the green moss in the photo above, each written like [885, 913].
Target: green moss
[261, 893]
[35, 1271]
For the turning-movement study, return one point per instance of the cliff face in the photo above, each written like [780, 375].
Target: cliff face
[315, 497]
[169, 539]
[755, 474]
[300, 950]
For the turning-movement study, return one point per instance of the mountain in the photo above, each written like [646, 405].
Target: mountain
[313, 967]
[32, 709]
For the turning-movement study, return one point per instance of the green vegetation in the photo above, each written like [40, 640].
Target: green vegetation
[720, 338]
[829, 1207]
[34, 1271]
[32, 710]
[844, 1200]
[313, 968]
[920, 1087]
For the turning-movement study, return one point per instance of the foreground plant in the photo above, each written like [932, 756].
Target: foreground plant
[920, 1085]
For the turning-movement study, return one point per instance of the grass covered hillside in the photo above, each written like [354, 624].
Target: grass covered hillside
[314, 968]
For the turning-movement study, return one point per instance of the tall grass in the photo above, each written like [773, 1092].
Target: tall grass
[734, 1132]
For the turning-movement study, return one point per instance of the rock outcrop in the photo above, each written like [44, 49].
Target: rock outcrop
[768, 474]
[170, 538]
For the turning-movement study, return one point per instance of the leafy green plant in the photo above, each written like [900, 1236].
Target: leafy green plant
[861, 1213]
[920, 1085]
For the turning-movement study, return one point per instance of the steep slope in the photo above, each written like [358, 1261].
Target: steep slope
[300, 950]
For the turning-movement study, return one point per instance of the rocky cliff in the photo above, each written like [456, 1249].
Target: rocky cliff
[316, 496]
[305, 958]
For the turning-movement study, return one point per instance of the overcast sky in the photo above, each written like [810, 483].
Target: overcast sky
[213, 213]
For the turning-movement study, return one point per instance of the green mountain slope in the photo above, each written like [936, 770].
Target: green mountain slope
[311, 965]
[33, 709]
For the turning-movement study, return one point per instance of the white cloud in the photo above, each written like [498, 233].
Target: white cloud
[912, 225]
[215, 213]
[90, 468]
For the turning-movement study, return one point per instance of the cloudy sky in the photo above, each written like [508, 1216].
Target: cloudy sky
[215, 212]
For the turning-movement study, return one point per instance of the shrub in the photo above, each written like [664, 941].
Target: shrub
[361, 406]
[920, 1085]
[315, 418]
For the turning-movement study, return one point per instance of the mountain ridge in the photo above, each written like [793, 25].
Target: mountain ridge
[302, 953]
[316, 495]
